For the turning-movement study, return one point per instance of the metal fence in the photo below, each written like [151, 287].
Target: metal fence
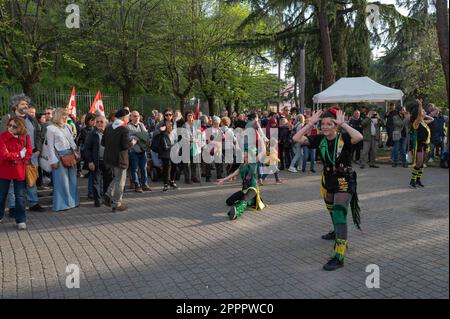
[58, 98]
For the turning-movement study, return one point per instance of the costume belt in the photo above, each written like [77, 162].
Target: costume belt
[341, 170]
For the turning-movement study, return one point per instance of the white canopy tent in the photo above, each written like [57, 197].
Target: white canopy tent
[358, 90]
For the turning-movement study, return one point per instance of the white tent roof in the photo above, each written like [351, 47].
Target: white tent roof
[354, 90]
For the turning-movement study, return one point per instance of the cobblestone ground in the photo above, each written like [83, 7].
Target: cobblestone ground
[181, 245]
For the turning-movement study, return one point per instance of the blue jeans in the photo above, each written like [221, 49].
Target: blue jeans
[19, 192]
[91, 183]
[138, 161]
[65, 190]
[311, 154]
[399, 148]
[31, 196]
[298, 156]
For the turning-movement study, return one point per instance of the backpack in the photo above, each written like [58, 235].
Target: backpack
[156, 143]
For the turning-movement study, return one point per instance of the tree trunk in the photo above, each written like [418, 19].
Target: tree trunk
[211, 105]
[325, 43]
[27, 87]
[278, 95]
[297, 104]
[182, 104]
[229, 109]
[125, 98]
[236, 106]
[302, 78]
[442, 30]
[126, 94]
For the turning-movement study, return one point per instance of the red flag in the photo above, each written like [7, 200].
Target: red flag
[197, 110]
[97, 105]
[72, 105]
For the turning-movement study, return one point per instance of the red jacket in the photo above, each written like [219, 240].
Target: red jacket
[11, 165]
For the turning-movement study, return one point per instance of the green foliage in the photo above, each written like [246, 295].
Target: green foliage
[218, 51]
[412, 62]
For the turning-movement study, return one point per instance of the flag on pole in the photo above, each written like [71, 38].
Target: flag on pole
[97, 105]
[72, 105]
[197, 110]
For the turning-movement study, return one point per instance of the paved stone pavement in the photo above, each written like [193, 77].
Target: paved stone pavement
[181, 244]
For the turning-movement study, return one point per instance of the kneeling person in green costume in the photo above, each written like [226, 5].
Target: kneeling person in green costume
[249, 195]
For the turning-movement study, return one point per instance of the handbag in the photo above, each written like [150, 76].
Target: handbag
[70, 160]
[31, 172]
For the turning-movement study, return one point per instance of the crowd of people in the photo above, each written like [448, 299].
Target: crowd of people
[109, 150]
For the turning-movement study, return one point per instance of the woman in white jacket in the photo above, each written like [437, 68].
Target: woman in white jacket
[60, 142]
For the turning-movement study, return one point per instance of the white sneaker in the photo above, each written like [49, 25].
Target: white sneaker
[22, 226]
[292, 170]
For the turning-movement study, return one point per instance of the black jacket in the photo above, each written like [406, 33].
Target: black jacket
[165, 146]
[284, 135]
[92, 148]
[356, 124]
[116, 143]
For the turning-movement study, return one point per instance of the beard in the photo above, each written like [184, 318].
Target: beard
[22, 111]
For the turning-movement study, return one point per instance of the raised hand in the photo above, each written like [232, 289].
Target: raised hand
[340, 118]
[315, 117]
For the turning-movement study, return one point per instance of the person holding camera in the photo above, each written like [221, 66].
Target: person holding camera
[371, 133]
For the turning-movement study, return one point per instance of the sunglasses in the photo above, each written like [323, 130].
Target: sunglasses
[13, 126]
[168, 114]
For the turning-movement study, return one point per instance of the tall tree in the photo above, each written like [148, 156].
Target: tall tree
[119, 48]
[178, 47]
[442, 31]
[329, 76]
[29, 33]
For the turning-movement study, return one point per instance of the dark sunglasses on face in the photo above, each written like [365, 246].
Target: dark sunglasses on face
[12, 126]
[168, 114]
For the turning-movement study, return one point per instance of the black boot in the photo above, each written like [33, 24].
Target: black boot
[37, 208]
[106, 200]
[413, 184]
[419, 183]
[330, 236]
[333, 264]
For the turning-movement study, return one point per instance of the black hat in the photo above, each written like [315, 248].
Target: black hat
[122, 113]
